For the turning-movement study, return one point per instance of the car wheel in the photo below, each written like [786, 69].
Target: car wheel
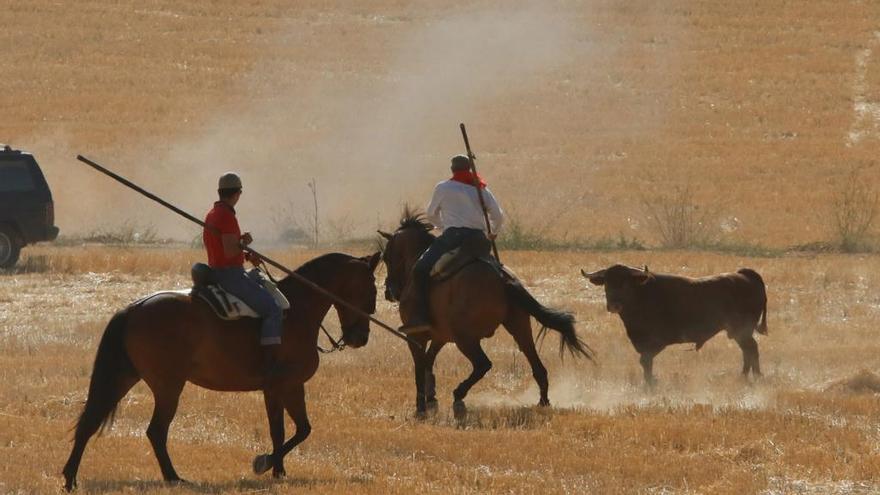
[9, 248]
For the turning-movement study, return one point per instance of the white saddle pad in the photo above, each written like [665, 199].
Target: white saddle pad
[227, 306]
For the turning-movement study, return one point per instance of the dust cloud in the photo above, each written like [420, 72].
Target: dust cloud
[572, 390]
[371, 141]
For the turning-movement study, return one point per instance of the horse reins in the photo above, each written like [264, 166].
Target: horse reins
[337, 345]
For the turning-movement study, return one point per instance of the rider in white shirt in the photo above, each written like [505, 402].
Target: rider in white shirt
[454, 208]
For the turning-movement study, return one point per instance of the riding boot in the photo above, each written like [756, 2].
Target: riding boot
[271, 365]
[417, 305]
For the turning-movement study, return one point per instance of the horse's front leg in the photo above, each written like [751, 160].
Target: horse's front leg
[295, 403]
[275, 414]
[430, 381]
[419, 367]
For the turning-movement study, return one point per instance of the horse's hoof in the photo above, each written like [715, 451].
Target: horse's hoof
[70, 485]
[178, 482]
[459, 410]
[544, 403]
[262, 463]
[432, 405]
[279, 474]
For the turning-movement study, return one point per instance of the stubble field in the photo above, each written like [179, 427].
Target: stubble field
[809, 426]
[579, 112]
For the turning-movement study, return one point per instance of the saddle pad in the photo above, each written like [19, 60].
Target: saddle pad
[439, 268]
[225, 305]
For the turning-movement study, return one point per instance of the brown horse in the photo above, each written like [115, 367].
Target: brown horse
[466, 308]
[169, 339]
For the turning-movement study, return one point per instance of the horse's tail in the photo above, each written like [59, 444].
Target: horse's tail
[113, 370]
[756, 278]
[561, 321]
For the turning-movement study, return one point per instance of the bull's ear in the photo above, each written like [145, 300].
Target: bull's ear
[373, 261]
[386, 235]
[643, 277]
[595, 278]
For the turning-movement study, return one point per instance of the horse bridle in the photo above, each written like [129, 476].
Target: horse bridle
[337, 345]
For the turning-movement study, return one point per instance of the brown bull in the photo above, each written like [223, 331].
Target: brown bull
[659, 310]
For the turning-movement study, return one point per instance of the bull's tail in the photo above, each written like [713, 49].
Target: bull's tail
[561, 321]
[755, 277]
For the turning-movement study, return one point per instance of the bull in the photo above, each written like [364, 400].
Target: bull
[660, 310]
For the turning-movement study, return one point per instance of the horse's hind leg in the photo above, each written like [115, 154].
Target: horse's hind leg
[430, 381]
[520, 327]
[166, 398]
[97, 409]
[481, 365]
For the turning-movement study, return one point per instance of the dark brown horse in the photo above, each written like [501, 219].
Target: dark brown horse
[168, 340]
[466, 308]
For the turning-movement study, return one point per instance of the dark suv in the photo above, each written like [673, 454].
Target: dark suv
[27, 214]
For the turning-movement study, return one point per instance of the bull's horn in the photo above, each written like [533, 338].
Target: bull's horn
[595, 278]
[597, 273]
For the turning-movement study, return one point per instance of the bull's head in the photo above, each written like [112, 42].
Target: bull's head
[621, 283]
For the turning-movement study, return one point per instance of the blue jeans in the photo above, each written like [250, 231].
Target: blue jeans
[237, 282]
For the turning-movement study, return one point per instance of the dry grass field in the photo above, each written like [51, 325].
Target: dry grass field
[810, 426]
[576, 109]
[581, 112]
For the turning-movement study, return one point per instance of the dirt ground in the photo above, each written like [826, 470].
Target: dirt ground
[580, 112]
[809, 426]
[577, 110]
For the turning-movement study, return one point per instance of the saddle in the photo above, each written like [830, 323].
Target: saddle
[474, 249]
[225, 305]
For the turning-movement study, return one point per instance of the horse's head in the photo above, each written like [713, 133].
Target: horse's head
[402, 251]
[357, 286]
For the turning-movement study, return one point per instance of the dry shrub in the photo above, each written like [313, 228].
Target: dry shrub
[127, 233]
[294, 226]
[854, 210]
[677, 219]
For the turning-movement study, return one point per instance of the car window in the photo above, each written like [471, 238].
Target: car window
[15, 177]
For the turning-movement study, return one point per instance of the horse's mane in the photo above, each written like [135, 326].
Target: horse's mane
[414, 219]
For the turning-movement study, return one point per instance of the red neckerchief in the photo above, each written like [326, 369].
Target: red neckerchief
[467, 177]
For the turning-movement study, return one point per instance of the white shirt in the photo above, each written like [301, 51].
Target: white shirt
[455, 204]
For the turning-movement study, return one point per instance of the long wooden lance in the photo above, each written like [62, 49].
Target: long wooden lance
[471, 157]
[249, 249]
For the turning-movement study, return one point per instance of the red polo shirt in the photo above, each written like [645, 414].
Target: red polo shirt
[222, 218]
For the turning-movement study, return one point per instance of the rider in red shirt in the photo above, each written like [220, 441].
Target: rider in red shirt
[224, 242]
